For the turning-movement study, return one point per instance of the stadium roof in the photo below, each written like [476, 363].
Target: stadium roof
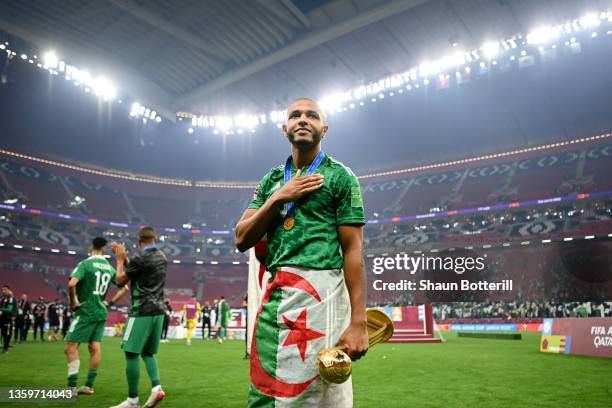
[253, 55]
[331, 46]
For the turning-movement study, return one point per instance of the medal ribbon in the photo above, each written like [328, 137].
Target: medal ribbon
[290, 207]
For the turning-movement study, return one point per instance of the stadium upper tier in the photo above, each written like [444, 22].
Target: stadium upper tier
[572, 168]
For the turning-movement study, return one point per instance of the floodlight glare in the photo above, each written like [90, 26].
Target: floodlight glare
[540, 35]
[50, 59]
[590, 20]
[490, 49]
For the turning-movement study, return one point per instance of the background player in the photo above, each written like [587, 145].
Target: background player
[222, 308]
[88, 285]
[192, 313]
[8, 307]
[40, 311]
[147, 272]
[53, 317]
[206, 316]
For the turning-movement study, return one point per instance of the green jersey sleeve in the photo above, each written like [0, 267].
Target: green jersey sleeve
[349, 201]
[79, 271]
[260, 195]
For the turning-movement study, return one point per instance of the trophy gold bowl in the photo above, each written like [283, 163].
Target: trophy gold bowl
[335, 366]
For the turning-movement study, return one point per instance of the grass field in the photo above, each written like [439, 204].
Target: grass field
[462, 372]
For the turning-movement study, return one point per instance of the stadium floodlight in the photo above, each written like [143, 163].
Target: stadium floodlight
[236, 262]
[199, 262]
[428, 68]
[158, 119]
[82, 76]
[23, 56]
[104, 88]
[590, 20]
[490, 49]
[224, 123]
[542, 35]
[190, 130]
[214, 262]
[50, 59]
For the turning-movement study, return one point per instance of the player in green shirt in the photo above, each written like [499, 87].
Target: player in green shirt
[88, 285]
[222, 315]
[311, 211]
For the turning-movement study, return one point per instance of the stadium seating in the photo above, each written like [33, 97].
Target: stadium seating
[541, 175]
[528, 176]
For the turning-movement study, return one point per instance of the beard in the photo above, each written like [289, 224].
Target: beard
[305, 142]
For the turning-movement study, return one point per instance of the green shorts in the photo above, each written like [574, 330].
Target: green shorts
[85, 332]
[142, 334]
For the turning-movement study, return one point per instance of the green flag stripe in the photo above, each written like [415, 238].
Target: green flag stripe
[259, 400]
[268, 333]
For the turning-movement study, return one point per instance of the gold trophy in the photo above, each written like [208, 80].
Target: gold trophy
[335, 365]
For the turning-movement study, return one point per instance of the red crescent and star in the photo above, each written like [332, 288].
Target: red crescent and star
[299, 335]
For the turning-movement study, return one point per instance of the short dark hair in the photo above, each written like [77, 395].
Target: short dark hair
[6, 286]
[147, 234]
[99, 242]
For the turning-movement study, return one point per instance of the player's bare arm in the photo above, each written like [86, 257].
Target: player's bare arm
[356, 335]
[255, 222]
[74, 301]
[120, 293]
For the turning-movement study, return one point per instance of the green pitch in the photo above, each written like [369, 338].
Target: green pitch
[462, 372]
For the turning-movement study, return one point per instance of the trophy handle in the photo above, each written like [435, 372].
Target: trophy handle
[380, 329]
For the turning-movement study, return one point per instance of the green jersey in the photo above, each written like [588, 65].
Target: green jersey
[95, 274]
[312, 242]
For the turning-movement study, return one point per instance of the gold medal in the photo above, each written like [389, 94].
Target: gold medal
[288, 223]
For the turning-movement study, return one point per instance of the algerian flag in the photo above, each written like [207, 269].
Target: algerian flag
[302, 312]
[258, 278]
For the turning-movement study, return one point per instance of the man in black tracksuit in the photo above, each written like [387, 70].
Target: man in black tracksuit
[53, 316]
[206, 321]
[40, 311]
[8, 307]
